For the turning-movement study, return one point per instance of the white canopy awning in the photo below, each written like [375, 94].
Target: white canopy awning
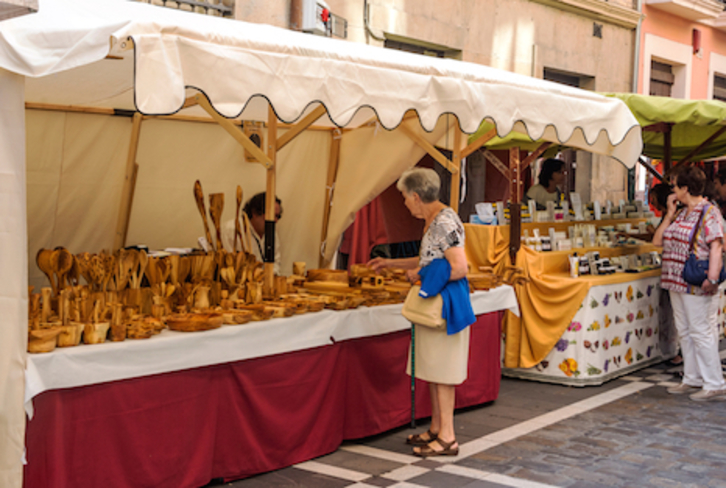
[239, 66]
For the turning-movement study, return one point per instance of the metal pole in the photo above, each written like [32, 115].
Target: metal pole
[413, 376]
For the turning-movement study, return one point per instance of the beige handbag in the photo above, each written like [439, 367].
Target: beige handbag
[423, 311]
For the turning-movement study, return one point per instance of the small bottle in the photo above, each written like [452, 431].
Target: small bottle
[574, 266]
[584, 268]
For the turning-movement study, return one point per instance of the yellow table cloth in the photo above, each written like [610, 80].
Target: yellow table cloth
[548, 302]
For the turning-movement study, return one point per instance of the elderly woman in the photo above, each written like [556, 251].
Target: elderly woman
[441, 356]
[695, 308]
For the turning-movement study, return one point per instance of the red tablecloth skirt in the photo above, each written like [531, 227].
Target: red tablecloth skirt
[234, 420]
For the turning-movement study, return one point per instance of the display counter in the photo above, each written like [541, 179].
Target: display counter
[575, 331]
[180, 409]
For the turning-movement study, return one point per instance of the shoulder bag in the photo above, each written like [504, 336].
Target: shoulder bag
[423, 311]
[695, 271]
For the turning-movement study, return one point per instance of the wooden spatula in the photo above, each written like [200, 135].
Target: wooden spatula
[237, 224]
[199, 197]
[216, 205]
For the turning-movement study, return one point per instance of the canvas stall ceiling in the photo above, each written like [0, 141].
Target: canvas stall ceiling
[166, 53]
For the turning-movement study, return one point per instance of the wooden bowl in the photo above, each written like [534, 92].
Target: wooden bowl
[237, 317]
[70, 335]
[95, 333]
[259, 311]
[335, 275]
[43, 340]
[193, 322]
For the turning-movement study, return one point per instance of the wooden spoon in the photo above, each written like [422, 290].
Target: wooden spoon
[143, 263]
[174, 261]
[216, 205]
[199, 197]
[61, 262]
[237, 224]
[152, 272]
[185, 267]
[42, 259]
[84, 266]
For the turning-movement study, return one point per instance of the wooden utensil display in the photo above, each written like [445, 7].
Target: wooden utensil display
[199, 197]
[216, 206]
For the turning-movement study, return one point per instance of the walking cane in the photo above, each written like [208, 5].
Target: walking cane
[413, 376]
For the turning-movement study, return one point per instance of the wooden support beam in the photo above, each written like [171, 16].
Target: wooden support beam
[429, 148]
[515, 209]
[333, 161]
[456, 177]
[190, 102]
[236, 133]
[270, 196]
[534, 155]
[650, 168]
[497, 163]
[479, 142]
[69, 108]
[300, 126]
[667, 149]
[659, 127]
[127, 193]
[703, 145]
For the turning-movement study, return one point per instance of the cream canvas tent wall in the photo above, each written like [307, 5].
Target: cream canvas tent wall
[122, 55]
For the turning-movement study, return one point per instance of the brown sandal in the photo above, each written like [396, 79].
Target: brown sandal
[417, 440]
[427, 451]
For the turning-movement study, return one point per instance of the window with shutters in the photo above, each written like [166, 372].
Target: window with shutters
[719, 87]
[661, 79]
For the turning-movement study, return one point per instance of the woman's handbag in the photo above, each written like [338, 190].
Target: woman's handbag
[695, 271]
[423, 311]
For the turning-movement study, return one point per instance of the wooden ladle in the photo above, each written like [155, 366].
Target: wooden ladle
[199, 197]
[237, 224]
[61, 262]
[216, 205]
[42, 259]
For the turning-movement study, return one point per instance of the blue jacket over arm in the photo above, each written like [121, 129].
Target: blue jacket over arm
[457, 305]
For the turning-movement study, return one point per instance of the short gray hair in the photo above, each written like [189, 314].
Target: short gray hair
[422, 181]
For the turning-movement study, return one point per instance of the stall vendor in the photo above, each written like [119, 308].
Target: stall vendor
[551, 177]
[255, 210]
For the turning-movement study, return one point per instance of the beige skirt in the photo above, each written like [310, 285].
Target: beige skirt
[440, 358]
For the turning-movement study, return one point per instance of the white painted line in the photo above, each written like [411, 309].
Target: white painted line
[510, 433]
[660, 377]
[464, 471]
[631, 378]
[516, 482]
[492, 477]
[380, 454]
[405, 473]
[334, 471]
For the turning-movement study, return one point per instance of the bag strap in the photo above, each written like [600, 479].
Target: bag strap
[697, 228]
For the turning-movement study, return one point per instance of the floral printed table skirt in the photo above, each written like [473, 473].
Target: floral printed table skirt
[618, 329]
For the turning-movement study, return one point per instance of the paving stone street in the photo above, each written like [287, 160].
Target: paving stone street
[628, 432]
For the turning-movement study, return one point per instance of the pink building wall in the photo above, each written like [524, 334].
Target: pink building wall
[678, 29]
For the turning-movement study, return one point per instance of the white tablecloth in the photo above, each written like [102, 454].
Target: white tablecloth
[175, 351]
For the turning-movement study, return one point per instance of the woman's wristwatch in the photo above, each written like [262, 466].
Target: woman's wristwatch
[713, 282]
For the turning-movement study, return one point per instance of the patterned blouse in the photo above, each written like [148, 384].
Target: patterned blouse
[676, 242]
[445, 231]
